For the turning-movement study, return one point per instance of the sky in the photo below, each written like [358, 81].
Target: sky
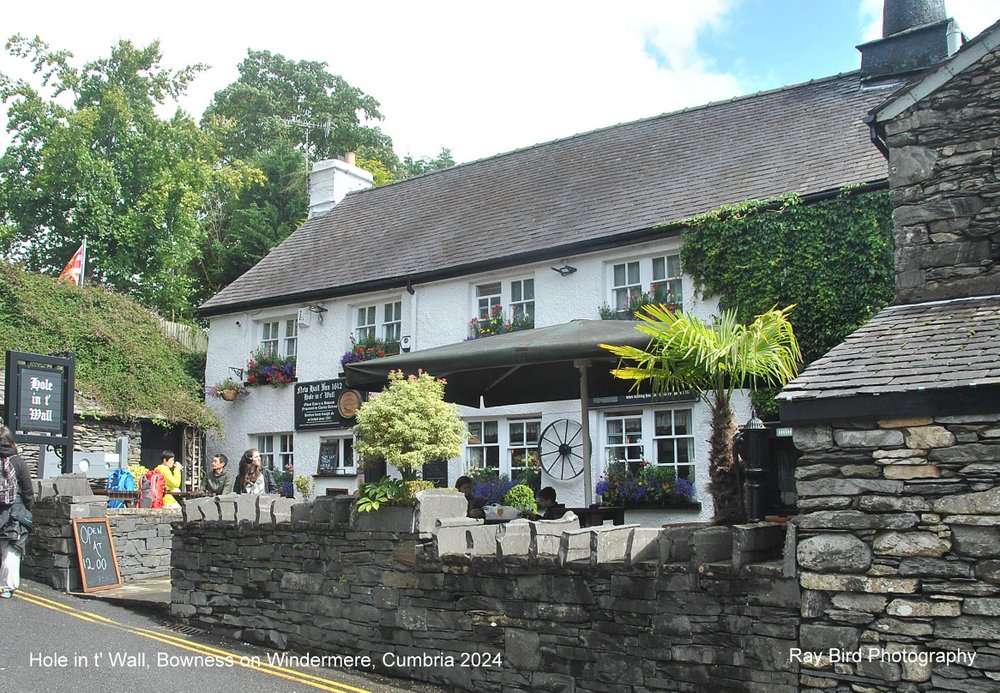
[484, 78]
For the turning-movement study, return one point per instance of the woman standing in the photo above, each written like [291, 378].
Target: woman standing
[253, 478]
[16, 497]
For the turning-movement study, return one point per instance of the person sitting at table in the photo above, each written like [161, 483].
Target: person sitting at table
[475, 505]
[550, 510]
[171, 468]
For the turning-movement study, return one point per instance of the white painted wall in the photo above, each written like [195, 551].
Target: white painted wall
[436, 314]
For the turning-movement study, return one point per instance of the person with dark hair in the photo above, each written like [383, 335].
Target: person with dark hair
[252, 477]
[217, 480]
[16, 496]
[171, 469]
[475, 505]
[547, 504]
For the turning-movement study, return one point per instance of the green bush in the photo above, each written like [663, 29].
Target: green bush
[522, 498]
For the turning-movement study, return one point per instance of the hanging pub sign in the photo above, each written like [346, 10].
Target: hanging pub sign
[324, 404]
[38, 392]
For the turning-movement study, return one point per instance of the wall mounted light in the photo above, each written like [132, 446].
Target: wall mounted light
[565, 270]
[318, 310]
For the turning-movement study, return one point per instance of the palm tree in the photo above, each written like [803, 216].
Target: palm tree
[713, 360]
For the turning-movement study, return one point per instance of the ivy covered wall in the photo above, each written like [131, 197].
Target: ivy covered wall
[833, 259]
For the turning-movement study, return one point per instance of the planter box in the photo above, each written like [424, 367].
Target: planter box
[388, 518]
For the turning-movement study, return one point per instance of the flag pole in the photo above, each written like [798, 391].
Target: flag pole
[83, 260]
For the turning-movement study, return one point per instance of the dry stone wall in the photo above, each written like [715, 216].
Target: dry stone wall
[898, 553]
[526, 606]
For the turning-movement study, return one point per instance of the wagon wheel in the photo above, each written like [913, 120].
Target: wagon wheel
[559, 449]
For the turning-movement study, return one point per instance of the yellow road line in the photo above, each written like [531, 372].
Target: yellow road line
[263, 667]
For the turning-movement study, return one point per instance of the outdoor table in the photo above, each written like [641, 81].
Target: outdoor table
[596, 514]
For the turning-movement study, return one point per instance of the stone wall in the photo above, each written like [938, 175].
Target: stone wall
[558, 608]
[142, 541]
[141, 537]
[944, 188]
[898, 549]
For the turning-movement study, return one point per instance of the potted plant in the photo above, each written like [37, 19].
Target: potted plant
[497, 323]
[267, 367]
[409, 424]
[523, 498]
[228, 390]
[388, 505]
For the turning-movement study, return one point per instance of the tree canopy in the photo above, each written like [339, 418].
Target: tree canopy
[91, 158]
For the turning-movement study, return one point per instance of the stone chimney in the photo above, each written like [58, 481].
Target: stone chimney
[916, 34]
[330, 182]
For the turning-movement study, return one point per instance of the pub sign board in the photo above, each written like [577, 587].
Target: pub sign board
[325, 404]
[39, 395]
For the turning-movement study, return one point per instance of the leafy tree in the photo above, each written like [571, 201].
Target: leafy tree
[92, 159]
[409, 424]
[253, 113]
[686, 354]
[244, 229]
[410, 167]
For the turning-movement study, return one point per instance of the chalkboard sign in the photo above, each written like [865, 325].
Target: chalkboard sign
[96, 551]
[330, 463]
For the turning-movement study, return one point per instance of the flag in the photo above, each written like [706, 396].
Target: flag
[73, 271]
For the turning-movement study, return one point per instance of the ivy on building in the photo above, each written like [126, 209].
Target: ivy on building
[833, 259]
[126, 367]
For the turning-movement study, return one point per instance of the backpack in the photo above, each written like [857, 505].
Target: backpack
[8, 481]
[120, 480]
[151, 489]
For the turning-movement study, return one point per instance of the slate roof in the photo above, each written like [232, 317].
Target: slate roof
[924, 347]
[552, 199]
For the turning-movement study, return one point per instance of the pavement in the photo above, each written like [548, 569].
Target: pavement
[149, 592]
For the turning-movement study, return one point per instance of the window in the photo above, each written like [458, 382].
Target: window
[483, 448]
[487, 298]
[341, 462]
[276, 450]
[516, 298]
[380, 320]
[522, 298]
[523, 452]
[280, 336]
[673, 441]
[663, 437]
[625, 283]
[392, 325]
[660, 274]
[364, 328]
[624, 438]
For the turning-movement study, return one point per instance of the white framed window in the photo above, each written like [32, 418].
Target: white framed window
[392, 323]
[483, 447]
[343, 460]
[379, 320]
[516, 297]
[364, 326]
[276, 450]
[659, 274]
[673, 441]
[663, 437]
[522, 298]
[625, 283]
[488, 298]
[623, 439]
[522, 450]
[280, 336]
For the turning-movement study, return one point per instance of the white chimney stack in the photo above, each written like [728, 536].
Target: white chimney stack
[330, 182]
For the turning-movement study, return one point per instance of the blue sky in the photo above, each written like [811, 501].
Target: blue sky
[485, 78]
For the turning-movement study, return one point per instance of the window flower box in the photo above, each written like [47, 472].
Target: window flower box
[498, 323]
[368, 349]
[644, 486]
[636, 303]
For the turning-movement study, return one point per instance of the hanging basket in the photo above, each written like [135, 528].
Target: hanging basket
[229, 395]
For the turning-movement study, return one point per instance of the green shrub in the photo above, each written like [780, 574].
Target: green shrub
[522, 498]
